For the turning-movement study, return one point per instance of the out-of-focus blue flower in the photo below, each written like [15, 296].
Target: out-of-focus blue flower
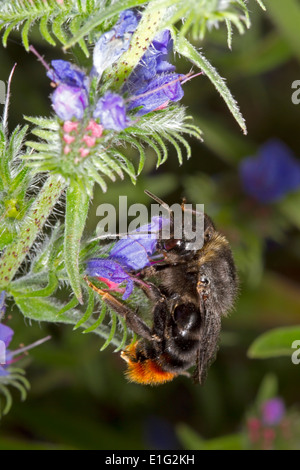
[131, 253]
[67, 73]
[157, 93]
[111, 111]
[273, 411]
[115, 42]
[69, 102]
[272, 174]
[160, 434]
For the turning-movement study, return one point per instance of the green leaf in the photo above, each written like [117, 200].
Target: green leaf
[77, 204]
[43, 292]
[268, 389]
[45, 31]
[192, 441]
[25, 32]
[274, 343]
[183, 47]
[40, 309]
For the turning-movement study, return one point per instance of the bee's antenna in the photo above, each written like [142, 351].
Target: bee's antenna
[157, 199]
[164, 205]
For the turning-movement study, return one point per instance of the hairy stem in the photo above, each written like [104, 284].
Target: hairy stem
[151, 22]
[33, 224]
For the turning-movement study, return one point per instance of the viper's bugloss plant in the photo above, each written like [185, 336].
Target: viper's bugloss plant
[129, 96]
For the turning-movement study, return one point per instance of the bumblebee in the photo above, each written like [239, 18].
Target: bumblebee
[190, 292]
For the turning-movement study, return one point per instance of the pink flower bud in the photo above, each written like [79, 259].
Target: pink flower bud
[96, 129]
[83, 152]
[90, 141]
[70, 126]
[68, 139]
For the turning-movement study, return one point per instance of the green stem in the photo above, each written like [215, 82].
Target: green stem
[33, 224]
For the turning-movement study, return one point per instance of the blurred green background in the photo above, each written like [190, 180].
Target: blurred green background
[79, 397]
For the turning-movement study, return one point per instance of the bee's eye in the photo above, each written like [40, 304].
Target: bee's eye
[172, 243]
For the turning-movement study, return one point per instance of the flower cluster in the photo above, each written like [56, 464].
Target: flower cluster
[151, 86]
[128, 254]
[92, 134]
[273, 427]
[271, 175]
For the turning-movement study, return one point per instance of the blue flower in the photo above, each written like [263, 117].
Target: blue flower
[111, 273]
[115, 42]
[148, 83]
[151, 86]
[157, 93]
[6, 335]
[70, 98]
[135, 251]
[111, 111]
[272, 174]
[67, 73]
[69, 102]
[153, 61]
[132, 253]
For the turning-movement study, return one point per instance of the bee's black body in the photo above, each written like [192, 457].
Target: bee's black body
[190, 292]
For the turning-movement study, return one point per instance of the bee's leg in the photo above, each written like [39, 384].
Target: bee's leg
[161, 315]
[133, 321]
[151, 291]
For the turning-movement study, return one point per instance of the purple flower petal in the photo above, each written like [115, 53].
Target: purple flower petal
[67, 73]
[69, 102]
[152, 63]
[273, 411]
[128, 254]
[127, 23]
[162, 42]
[162, 89]
[6, 334]
[111, 111]
[272, 174]
[112, 44]
[134, 252]
[107, 269]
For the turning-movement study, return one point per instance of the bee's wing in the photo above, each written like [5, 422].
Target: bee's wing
[209, 337]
